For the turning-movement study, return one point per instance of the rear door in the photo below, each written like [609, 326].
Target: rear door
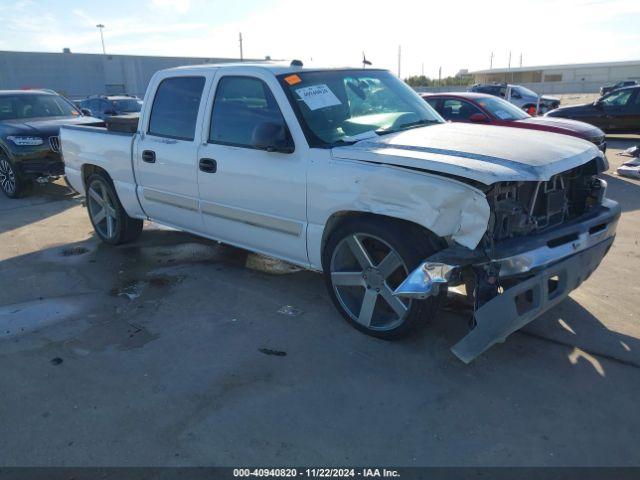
[249, 196]
[166, 154]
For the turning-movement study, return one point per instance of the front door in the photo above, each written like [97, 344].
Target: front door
[166, 155]
[250, 196]
[617, 109]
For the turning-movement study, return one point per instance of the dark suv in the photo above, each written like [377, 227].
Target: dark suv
[30, 123]
[105, 106]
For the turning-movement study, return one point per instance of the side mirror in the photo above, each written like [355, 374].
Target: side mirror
[86, 112]
[598, 103]
[478, 118]
[272, 137]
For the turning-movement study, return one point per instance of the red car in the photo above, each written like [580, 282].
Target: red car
[483, 108]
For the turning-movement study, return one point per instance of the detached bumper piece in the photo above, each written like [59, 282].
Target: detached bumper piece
[534, 274]
[522, 303]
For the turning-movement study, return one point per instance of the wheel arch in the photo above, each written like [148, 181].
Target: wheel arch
[337, 219]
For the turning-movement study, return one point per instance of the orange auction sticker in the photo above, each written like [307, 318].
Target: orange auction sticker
[292, 79]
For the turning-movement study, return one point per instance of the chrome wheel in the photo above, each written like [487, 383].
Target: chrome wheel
[365, 270]
[7, 177]
[102, 209]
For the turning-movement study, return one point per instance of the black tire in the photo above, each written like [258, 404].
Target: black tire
[10, 182]
[123, 228]
[412, 244]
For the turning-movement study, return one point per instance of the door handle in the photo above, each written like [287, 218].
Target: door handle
[208, 165]
[149, 156]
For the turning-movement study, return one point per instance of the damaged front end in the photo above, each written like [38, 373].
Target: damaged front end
[544, 239]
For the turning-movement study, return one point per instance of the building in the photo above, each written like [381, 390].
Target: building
[77, 75]
[572, 78]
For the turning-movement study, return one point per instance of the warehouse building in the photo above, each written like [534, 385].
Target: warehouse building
[572, 78]
[77, 75]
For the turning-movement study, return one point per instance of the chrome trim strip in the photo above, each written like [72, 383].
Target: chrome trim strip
[545, 255]
[170, 199]
[289, 227]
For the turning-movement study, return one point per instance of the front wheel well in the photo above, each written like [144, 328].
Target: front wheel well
[340, 218]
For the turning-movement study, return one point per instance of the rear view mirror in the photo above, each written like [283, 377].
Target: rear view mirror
[478, 118]
[272, 137]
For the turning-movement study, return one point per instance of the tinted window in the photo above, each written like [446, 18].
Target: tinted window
[618, 98]
[434, 103]
[126, 105]
[458, 110]
[175, 107]
[241, 104]
[502, 109]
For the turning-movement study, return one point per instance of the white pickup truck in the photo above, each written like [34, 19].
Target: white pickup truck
[349, 172]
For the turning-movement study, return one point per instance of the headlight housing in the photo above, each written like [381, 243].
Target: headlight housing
[22, 141]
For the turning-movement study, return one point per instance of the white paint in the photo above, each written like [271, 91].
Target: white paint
[311, 185]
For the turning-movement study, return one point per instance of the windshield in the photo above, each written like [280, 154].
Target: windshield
[129, 105]
[341, 106]
[525, 92]
[502, 109]
[35, 105]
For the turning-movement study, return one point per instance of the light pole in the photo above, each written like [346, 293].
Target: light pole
[100, 27]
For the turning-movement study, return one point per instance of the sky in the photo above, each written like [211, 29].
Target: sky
[450, 35]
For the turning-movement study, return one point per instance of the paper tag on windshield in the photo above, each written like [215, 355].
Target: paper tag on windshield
[318, 96]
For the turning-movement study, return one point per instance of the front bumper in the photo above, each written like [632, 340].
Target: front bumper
[37, 161]
[537, 272]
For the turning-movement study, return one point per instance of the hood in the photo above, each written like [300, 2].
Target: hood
[43, 126]
[564, 125]
[582, 107]
[486, 154]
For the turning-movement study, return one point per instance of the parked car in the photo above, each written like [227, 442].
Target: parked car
[482, 108]
[350, 172]
[30, 121]
[105, 106]
[526, 99]
[616, 112]
[610, 88]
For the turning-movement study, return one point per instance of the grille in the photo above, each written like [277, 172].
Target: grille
[522, 208]
[54, 143]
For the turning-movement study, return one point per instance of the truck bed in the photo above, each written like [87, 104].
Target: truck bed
[107, 149]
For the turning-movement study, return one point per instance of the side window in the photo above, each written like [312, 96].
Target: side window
[241, 108]
[458, 110]
[617, 99]
[175, 108]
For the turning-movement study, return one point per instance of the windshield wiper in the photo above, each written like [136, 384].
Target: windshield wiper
[406, 126]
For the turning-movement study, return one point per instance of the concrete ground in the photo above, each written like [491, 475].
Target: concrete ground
[171, 351]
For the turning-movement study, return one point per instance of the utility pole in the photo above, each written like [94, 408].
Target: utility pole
[399, 59]
[240, 39]
[440, 76]
[100, 27]
[491, 61]
[520, 59]
[509, 58]
[423, 69]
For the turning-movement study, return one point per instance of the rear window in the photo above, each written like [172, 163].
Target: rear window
[175, 108]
